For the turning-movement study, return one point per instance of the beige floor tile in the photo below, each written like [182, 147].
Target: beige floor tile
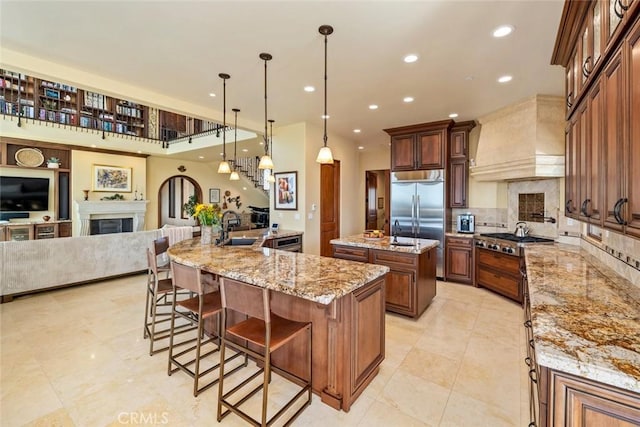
[82, 361]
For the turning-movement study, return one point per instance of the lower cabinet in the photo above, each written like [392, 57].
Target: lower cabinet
[459, 265]
[499, 272]
[410, 285]
[48, 230]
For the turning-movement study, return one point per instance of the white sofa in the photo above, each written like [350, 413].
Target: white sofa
[33, 265]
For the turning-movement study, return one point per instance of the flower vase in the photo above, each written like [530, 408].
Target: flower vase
[206, 234]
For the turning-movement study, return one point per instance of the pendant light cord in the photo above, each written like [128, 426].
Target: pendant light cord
[325, 91]
[224, 119]
[235, 136]
[266, 136]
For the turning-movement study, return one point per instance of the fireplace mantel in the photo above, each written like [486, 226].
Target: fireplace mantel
[88, 210]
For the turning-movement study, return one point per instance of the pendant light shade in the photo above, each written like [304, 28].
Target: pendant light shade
[224, 165]
[325, 156]
[265, 160]
[234, 174]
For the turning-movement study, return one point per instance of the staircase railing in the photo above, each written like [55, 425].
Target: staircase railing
[248, 166]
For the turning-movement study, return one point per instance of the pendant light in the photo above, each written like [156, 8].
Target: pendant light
[324, 155]
[265, 161]
[224, 165]
[234, 175]
[271, 178]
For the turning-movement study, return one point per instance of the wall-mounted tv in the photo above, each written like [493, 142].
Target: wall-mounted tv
[18, 194]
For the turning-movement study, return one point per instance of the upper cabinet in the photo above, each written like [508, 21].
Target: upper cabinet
[458, 168]
[419, 147]
[598, 43]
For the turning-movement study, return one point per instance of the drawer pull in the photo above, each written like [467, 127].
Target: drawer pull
[532, 376]
[527, 324]
[527, 361]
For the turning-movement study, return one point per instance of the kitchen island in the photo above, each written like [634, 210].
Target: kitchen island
[344, 301]
[583, 323]
[411, 282]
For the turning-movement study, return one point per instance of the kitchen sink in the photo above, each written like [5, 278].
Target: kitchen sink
[401, 244]
[241, 241]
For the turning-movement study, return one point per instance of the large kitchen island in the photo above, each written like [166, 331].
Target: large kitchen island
[344, 300]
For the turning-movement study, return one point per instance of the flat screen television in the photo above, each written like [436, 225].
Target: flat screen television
[18, 194]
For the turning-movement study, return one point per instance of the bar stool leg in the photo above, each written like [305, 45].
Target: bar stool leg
[173, 319]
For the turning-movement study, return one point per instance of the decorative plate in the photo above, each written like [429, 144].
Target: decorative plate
[29, 157]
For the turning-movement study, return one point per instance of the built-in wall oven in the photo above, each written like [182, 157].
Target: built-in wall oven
[499, 260]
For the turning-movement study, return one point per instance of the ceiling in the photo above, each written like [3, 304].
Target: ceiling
[177, 48]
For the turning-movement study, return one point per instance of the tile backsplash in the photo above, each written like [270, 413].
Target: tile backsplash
[549, 204]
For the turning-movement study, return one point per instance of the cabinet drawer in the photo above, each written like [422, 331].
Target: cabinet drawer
[394, 260]
[503, 284]
[504, 263]
[351, 253]
[459, 241]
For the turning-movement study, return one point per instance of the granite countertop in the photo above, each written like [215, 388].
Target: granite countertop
[418, 246]
[586, 318]
[456, 234]
[265, 233]
[312, 277]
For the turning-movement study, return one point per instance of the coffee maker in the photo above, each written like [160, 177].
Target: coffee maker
[466, 223]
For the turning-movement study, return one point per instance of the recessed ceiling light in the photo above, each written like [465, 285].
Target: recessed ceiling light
[408, 99]
[244, 150]
[222, 154]
[469, 78]
[260, 143]
[505, 79]
[360, 147]
[326, 116]
[309, 89]
[373, 107]
[93, 145]
[201, 157]
[503, 30]
[453, 115]
[244, 188]
[139, 151]
[211, 94]
[357, 131]
[410, 58]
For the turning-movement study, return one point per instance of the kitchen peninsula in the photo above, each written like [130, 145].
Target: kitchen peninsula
[344, 300]
[411, 282]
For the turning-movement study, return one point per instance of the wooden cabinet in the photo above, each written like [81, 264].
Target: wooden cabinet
[409, 286]
[19, 232]
[64, 229]
[580, 402]
[458, 165]
[420, 147]
[45, 231]
[598, 43]
[499, 272]
[459, 260]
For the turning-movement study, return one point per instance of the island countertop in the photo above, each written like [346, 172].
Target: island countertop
[417, 246]
[586, 318]
[312, 277]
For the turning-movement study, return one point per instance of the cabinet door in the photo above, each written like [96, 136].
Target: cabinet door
[613, 143]
[459, 264]
[594, 175]
[571, 169]
[582, 118]
[431, 149]
[351, 253]
[403, 153]
[19, 232]
[459, 145]
[458, 183]
[64, 229]
[399, 290]
[632, 207]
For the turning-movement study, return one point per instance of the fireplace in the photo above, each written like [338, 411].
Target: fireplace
[112, 216]
[111, 225]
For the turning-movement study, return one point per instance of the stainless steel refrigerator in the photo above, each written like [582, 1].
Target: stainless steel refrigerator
[417, 203]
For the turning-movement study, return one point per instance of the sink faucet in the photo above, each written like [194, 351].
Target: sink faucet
[396, 230]
[224, 234]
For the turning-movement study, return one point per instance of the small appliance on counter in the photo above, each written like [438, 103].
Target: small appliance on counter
[466, 223]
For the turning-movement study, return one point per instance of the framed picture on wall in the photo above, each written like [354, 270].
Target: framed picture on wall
[286, 193]
[112, 179]
[214, 195]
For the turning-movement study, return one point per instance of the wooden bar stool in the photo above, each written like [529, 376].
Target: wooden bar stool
[195, 310]
[269, 332]
[158, 292]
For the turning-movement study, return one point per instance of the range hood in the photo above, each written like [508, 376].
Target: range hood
[522, 141]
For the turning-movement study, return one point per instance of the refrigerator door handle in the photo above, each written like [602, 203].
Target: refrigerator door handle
[413, 214]
[417, 216]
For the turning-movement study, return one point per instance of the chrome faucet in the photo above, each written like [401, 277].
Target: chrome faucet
[396, 230]
[224, 234]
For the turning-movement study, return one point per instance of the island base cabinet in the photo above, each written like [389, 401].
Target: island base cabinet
[348, 342]
[578, 402]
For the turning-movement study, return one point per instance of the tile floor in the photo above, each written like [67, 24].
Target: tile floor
[76, 357]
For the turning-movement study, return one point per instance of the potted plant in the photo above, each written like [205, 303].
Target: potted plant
[53, 163]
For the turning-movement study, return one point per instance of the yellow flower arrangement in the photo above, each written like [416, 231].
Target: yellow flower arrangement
[208, 214]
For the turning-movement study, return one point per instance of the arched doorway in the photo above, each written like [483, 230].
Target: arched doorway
[172, 195]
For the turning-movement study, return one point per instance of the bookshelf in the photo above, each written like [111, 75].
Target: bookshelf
[17, 94]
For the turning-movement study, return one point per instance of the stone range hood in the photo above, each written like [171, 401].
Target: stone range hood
[522, 141]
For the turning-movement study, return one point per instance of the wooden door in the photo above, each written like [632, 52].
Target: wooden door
[458, 180]
[387, 201]
[459, 144]
[329, 206]
[403, 153]
[614, 136]
[431, 149]
[632, 213]
[371, 200]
